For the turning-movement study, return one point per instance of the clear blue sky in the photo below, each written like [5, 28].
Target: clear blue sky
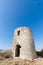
[16, 13]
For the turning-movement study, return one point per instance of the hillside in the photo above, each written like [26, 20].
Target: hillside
[7, 59]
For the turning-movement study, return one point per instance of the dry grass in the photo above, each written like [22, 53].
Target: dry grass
[7, 59]
[6, 54]
[12, 61]
[40, 53]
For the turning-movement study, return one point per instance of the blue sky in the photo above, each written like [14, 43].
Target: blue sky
[16, 13]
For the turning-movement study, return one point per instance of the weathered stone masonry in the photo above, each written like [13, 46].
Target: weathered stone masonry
[23, 44]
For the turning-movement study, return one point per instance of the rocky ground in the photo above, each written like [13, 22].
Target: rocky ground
[11, 61]
[6, 58]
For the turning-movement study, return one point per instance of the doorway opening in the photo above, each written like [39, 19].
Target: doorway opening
[17, 50]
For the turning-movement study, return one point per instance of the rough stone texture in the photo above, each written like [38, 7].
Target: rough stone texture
[26, 41]
[11, 61]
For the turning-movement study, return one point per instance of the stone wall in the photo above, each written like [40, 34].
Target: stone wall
[26, 41]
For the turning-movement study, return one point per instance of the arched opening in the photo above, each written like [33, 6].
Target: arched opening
[17, 50]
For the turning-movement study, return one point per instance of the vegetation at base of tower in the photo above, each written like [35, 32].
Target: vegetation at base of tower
[8, 54]
[39, 53]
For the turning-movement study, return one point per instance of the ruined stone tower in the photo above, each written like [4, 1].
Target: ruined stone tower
[23, 44]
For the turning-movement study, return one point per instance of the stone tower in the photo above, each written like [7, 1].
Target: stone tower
[23, 44]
